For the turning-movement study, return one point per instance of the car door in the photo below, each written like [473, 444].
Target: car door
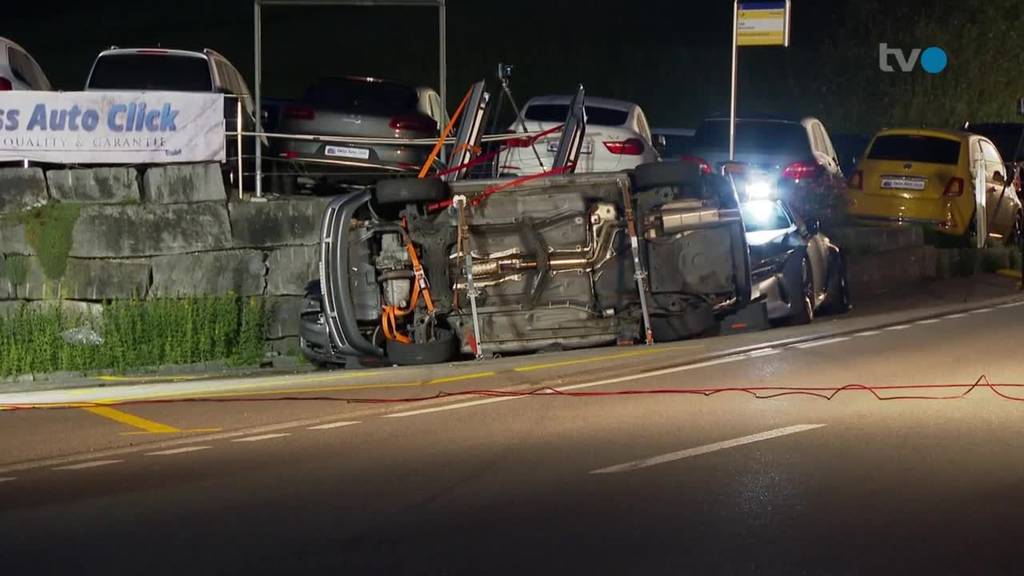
[1000, 208]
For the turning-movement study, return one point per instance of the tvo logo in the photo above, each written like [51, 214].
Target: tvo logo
[933, 60]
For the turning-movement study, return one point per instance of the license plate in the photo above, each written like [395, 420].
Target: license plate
[903, 183]
[587, 148]
[348, 152]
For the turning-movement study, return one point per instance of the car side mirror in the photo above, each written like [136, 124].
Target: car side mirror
[812, 226]
[998, 178]
[660, 143]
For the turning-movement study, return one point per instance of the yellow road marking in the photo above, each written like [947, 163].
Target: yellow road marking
[1015, 274]
[189, 431]
[131, 420]
[535, 367]
[145, 379]
[462, 378]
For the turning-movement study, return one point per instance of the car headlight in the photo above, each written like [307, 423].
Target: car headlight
[760, 189]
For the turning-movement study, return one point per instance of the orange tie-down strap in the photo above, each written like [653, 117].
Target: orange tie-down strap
[420, 287]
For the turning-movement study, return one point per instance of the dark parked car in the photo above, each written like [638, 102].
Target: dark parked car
[792, 158]
[355, 108]
[795, 267]
[547, 265]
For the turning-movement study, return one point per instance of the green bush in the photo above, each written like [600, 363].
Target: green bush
[136, 334]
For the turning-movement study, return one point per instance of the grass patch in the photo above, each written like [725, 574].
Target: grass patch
[15, 269]
[48, 230]
[136, 334]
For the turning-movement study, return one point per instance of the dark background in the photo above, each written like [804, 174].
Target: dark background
[670, 56]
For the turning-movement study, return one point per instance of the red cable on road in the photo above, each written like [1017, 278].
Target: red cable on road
[757, 392]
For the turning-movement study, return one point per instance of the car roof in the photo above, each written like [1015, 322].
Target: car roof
[759, 118]
[162, 51]
[674, 131]
[622, 105]
[930, 132]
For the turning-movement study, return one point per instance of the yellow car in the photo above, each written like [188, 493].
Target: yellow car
[928, 177]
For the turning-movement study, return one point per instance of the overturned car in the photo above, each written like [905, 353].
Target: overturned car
[422, 271]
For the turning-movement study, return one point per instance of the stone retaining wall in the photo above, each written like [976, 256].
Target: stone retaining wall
[170, 231]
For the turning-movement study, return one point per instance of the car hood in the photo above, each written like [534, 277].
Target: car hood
[769, 249]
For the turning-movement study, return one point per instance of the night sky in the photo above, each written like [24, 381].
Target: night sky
[672, 57]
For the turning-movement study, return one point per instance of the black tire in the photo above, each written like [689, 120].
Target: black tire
[410, 191]
[838, 299]
[439, 351]
[801, 294]
[663, 174]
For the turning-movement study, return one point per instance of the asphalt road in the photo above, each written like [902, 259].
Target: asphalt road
[638, 483]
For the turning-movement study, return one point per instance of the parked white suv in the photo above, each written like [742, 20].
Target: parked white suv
[618, 136]
[18, 70]
[160, 69]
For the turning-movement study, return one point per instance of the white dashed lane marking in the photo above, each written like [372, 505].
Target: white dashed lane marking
[707, 449]
[900, 327]
[7, 479]
[184, 450]
[925, 322]
[821, 343]
[870, 333]
[955, 316]
[261, 437]
[332, 425]
[93, 464]
[982, 311]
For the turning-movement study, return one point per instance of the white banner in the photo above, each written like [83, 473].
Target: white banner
[111, 127]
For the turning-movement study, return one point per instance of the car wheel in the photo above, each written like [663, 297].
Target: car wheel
[802, 295]
[665, 174]
[410, 191]
[837, 300]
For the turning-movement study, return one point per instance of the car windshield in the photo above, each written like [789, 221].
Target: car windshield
[755, 135]
[913, 148]
[596, 115]
[355, 94]
[764, 215]
[169, 72]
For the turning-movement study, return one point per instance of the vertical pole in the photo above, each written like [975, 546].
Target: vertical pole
[732, 99]
[238, 146]
[258, 113]
[443, 39]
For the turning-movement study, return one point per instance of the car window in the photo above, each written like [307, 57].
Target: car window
[356, 94]
[755, 135]
[915, 148]
[23, 68]
[596, 115]
[151, 72]
[764, 215]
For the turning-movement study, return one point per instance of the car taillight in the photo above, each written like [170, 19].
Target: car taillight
[705, 168]
[954, 188]
[801, 171]
[631, 147]
[5, 84]
[299, 113]
[413, 123]
[856, 181]
[289, 155]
